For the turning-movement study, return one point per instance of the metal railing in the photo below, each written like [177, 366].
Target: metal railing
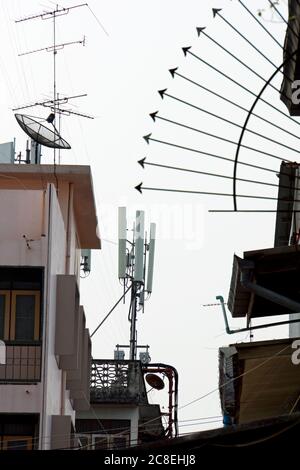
[117, 381]
[22, 362]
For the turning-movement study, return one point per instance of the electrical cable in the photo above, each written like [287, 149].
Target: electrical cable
[217, 389]
[98, 21]
[111, 310]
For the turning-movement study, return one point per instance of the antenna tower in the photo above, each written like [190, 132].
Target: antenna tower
[136, 261]
[55, 103]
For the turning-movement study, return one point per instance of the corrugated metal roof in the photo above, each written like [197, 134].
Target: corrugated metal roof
[267, 382]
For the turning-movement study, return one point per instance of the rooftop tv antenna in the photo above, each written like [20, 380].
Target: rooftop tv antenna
[54, 104]
[134, 256]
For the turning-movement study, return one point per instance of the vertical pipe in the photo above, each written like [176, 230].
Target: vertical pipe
[170, 378]
[43, 421]
[68, 232]
[54, 79]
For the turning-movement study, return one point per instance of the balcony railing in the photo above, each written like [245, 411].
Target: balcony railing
[23, 363]
[117, 381]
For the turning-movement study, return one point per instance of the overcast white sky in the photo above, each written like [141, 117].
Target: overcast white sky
[121, 72]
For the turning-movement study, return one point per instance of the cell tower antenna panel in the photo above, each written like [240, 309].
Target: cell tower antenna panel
[139, 247]
[151, 257]
[122, 236]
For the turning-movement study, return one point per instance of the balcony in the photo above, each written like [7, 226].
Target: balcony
[23, 363]
[115, 381]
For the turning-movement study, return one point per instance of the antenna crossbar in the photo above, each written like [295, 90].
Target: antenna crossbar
[68, 112]
[50, 102]
[50, 14]
[54, 48]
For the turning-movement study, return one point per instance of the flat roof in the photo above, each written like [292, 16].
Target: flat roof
[13, 176]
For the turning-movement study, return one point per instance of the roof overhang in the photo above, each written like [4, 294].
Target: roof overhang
[276, 269]
[38, 176]
[270, 435]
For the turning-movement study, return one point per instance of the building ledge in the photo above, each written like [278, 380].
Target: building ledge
[38, 176]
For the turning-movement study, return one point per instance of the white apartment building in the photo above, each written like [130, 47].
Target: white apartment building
[48, 216]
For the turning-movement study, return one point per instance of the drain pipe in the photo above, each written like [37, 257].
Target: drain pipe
[227, 327]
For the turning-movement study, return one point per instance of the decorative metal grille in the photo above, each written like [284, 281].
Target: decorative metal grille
[113, 381]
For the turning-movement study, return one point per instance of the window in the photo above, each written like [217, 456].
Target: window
[16, 443]
[4, 314]
[20, 315]
[103, 441]
[25, 315]
[84, 441]
[110, 441]
[18, 431]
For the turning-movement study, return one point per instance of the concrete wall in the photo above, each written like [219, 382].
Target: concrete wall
[56, 400]
[20, 398]
[129, 412]
[50, 222]
[23, 212]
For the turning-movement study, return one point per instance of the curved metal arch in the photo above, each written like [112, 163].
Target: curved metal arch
[246, 122]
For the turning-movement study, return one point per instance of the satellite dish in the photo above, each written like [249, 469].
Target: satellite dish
[40, 133]
[155, 381]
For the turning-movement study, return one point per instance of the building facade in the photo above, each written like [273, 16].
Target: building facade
[48, 216]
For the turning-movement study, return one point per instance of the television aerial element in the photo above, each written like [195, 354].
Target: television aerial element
[40, 133]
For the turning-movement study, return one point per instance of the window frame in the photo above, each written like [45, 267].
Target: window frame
[11, 438]
[109, 440]
[37, 310]
[7, 310]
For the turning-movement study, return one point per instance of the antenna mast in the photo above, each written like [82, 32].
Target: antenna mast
[133, 258]
[55, 103]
